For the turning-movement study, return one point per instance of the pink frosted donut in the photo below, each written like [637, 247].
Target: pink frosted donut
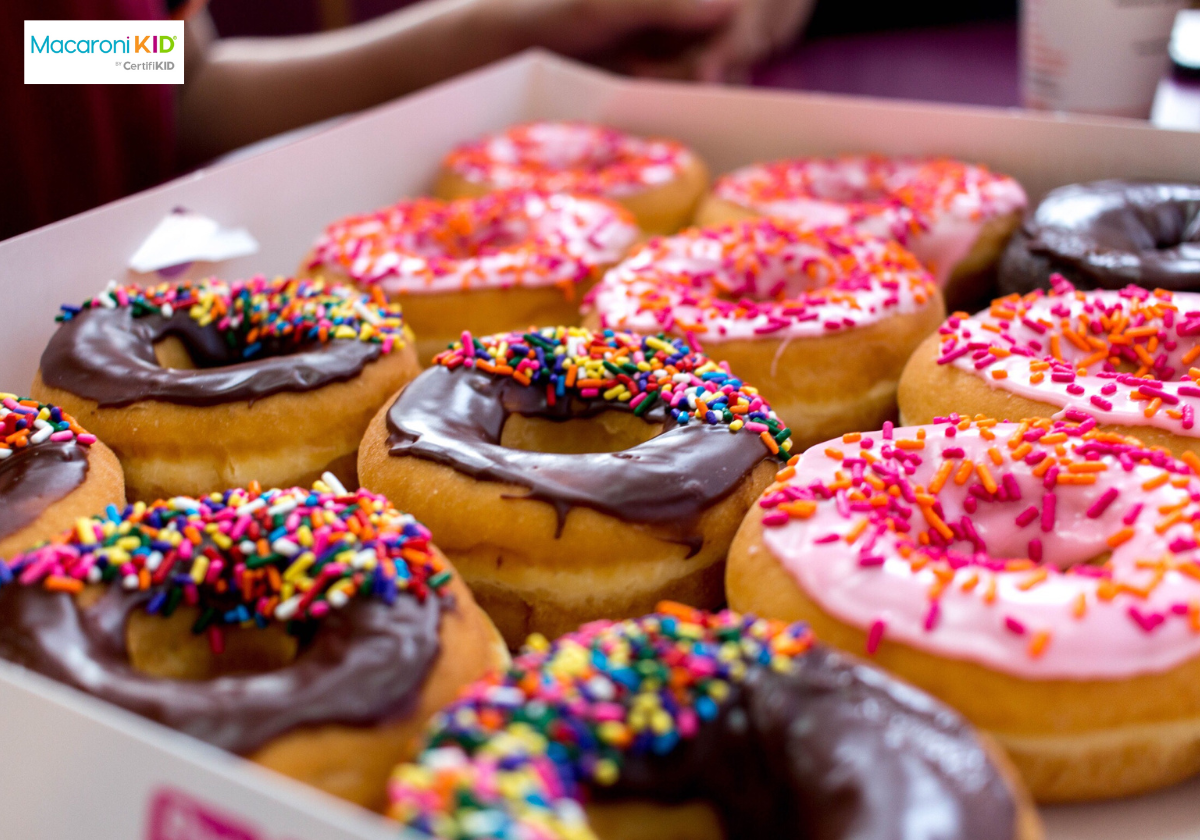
[1041, 576]
[1124, 356]
[826, 318]
[497, 262]
[660, 181]
[955, 217]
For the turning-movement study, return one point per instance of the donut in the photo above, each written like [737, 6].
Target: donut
[659, 181]
[574, 475]
[955, 217]
[52, 472]
[1122, 356]
[303, 629]
[823, 319]
[499, 262]
[208, 384]
[690, 724]
[1041, 577]
[1106, 235]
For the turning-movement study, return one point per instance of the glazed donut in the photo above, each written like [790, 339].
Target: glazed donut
[1122, 356]
[824, 319]
[1040, 577]
[499, 262]
[201, 385]
[954, 217]
[1108, 234]
[302, 629]
[573, 475]
[659, 181]
[51, 473]
[687, 724]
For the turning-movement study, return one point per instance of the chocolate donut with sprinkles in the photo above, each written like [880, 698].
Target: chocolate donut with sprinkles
[573, 475]
[202, 385]
[690, 724]
[955, 217]
[659, 181]
[1042, 577]
[52, 472]
[486, 264]
[313, 631]
[1125, 357]
[823, 319]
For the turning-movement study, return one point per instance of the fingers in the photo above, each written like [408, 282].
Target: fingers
[759, 28]
[673, 14]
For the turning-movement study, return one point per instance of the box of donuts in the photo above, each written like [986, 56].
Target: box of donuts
[554, 455]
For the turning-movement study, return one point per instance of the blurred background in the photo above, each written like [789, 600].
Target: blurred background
[946, 52]
[259, 70]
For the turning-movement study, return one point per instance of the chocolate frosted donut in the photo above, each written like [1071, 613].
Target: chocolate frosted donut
[1108, 234]
[274, 625]
[457, 418]
[574, 475]
[51, 473]
[683, 723]
[281, 375]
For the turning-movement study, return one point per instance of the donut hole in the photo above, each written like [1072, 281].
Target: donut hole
[609, 431]
[200, 348]
[166, 647]
[173, 354]
[556, 147]
[478, 237]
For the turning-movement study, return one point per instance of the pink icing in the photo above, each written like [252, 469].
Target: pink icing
[569, 156]
[964, 587]
[1134, 371]
[500, 240]
[935, 208]
[761, 278]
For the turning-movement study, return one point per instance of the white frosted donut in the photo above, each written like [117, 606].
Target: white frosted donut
[826, 318]
[954, 217]
[660, 181]
[1123, 356]
[501, 261]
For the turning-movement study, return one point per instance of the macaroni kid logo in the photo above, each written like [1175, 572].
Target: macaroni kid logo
[103, 52]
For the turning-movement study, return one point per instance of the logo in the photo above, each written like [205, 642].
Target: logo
[103, 52]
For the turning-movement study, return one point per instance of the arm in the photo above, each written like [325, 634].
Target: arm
[239, 90]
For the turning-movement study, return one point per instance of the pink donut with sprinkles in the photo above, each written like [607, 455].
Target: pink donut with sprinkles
[825, 318]
[660, 181]
[497, 262]
[955, 217]
[1042, 576]
[1125, 356]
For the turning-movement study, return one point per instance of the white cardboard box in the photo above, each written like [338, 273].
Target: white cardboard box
[76, 767]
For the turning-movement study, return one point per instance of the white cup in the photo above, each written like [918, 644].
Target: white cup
[1096, 56]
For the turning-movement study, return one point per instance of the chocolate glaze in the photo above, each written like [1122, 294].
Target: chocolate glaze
[832, 750]
[1108, 234]
[33, 478]
[107, 355]
[366, 663]
[455, 417]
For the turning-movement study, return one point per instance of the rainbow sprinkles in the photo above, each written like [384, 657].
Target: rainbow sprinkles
[622, 368]
[515, 750]
[26, 423]
[264, 317]
[244, 557]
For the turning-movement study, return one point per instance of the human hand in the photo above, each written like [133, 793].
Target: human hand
[711, 40]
